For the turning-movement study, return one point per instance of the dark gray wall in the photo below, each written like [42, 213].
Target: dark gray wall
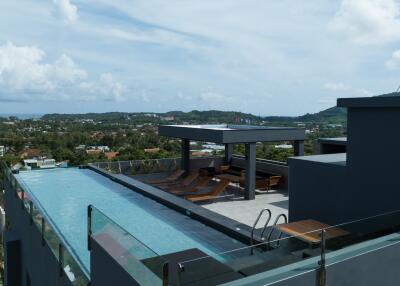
[318, 191]
[373, 158]
[37, 260]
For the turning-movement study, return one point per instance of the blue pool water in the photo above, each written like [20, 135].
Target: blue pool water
[66, 193]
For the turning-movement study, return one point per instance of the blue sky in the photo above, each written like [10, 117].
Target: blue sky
[266, 57]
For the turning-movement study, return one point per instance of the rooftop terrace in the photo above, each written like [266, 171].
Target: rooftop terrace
[121, 233]
[186, 221]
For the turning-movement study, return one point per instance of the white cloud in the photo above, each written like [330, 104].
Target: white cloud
[342, 90]
[114, 89]
[362, 92]
[337, 87]
[24, 76]
[368, 21]
[327, 101]
[214, 97]
[394, 61]
[234, 46]
[153, 36]
[67, 10]
[22, 71]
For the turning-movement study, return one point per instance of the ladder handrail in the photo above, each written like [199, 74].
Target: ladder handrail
[256, 222]
[273, 228]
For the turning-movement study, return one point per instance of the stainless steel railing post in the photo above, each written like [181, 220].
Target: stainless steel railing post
[322, 267]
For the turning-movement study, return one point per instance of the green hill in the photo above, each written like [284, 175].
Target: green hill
[330, 115]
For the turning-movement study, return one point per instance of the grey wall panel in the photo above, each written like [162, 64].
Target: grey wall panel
[319, 191]
[373, 158]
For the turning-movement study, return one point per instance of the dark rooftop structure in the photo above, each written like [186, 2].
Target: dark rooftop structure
[330, 145]
[232, 134]
[346, 180]
[235, 134]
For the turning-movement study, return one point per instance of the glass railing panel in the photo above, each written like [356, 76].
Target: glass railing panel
[301, 251]
[37, 217]
[141, 262]
[364, 230]
[49, 236]
[18, 191]
[12, 181]
[73, 270]
[27, 203]
[51, 239]
[138, 167]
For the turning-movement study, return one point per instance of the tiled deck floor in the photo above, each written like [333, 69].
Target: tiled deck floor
[246, 212]
[233, 205]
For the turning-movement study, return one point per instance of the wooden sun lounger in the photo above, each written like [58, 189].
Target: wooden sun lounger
[213, 194]
[185, 182]
[201, 182]
[171, 178]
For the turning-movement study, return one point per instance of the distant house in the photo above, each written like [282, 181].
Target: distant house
[213, 146]
[97, 135]
[101, 148]
[111, 155]
[30, 153]
[94, 152]
[152, 150]
[201, 153]
[39, 164]
[168, 118]
[2, 151]
[80, 147]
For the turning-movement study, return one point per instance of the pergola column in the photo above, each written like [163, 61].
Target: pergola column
[228, 153]
[250, 180]
[185, 155]
[298, 148]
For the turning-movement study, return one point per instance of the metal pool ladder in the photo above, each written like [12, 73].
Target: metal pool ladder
[273, 228]
[268, 239]
[255, 224]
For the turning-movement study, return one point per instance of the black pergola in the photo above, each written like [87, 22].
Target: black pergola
[234, 134]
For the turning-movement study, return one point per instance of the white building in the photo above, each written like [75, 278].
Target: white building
[101, 148]
[2, 151]
[39, 164]
[284, 146]
[213, 146]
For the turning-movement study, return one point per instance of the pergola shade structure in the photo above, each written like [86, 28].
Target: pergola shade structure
[234, 134]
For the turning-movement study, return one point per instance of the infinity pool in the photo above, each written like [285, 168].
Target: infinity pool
[66, 193]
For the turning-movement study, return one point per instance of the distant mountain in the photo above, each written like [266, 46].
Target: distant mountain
[330, 115]
[333, 114]
[391, 94]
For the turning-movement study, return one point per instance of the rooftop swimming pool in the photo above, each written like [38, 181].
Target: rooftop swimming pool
[65, 194]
